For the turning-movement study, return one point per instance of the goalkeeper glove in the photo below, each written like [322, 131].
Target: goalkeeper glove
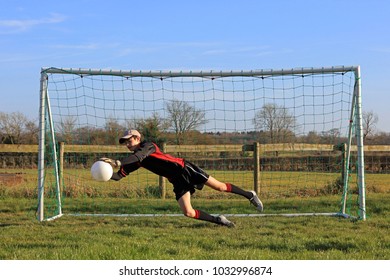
[113, 162]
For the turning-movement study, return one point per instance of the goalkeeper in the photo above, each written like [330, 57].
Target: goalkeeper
[185, 176]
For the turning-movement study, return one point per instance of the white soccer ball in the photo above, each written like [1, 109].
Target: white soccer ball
[101, 171]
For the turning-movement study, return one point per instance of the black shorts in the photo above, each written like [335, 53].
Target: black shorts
[192, 177]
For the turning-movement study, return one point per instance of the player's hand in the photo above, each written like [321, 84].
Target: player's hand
[113, 162]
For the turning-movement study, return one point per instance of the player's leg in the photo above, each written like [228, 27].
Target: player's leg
[227, 187]
[186, 206]
[187, 209]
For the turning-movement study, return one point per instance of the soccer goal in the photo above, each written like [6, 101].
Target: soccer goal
[293, 135]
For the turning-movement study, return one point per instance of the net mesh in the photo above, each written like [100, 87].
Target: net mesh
[212, 121]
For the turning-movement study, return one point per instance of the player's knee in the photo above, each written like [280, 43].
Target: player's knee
[222, 187]
[218, 186]
[189, 213]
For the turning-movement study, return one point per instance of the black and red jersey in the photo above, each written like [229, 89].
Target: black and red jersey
[150, 157]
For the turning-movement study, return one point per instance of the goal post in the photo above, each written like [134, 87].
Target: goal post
[276, 131]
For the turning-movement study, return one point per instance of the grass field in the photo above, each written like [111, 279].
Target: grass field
[180, 238]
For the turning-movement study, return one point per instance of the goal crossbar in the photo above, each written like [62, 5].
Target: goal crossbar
[259, 73]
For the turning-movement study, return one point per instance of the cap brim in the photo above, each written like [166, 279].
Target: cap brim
[124, 138]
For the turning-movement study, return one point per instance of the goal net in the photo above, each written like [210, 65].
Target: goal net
[292, 135]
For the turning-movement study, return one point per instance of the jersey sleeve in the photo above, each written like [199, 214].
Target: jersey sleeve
[145, 149]
[133, 162]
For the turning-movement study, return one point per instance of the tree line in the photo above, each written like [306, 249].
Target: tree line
[273, 124]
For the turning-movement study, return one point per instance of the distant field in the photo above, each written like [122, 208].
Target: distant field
[280, 182]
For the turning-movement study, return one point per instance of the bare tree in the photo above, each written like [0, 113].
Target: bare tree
[331, 136]
[183, 118]
[12, 127]
[370, 119]
[152, 128]
[312, 137]
[276, 121]
[31, 133]
[114, 130]
[67, 128]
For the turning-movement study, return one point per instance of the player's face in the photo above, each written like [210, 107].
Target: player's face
[132, 143]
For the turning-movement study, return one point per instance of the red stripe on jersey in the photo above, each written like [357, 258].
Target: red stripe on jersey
[160, 155]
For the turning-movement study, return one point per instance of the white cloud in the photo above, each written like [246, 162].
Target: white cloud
[16, 25]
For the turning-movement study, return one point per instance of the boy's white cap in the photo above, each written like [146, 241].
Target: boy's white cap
[128, 134]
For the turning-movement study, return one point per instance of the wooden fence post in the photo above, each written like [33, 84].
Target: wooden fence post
[256, 167]
[161, 179]
[343, 149]
[61, 163]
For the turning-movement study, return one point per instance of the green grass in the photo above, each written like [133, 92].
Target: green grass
[180, 238]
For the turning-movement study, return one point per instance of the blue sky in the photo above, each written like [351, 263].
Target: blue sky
[192, 35]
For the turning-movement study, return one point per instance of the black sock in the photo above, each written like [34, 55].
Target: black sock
[234, 189]
[201, 215]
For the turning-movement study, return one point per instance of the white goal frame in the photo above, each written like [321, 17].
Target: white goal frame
[355, 123]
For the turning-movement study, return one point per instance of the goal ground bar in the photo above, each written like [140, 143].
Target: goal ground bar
[227, 215]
